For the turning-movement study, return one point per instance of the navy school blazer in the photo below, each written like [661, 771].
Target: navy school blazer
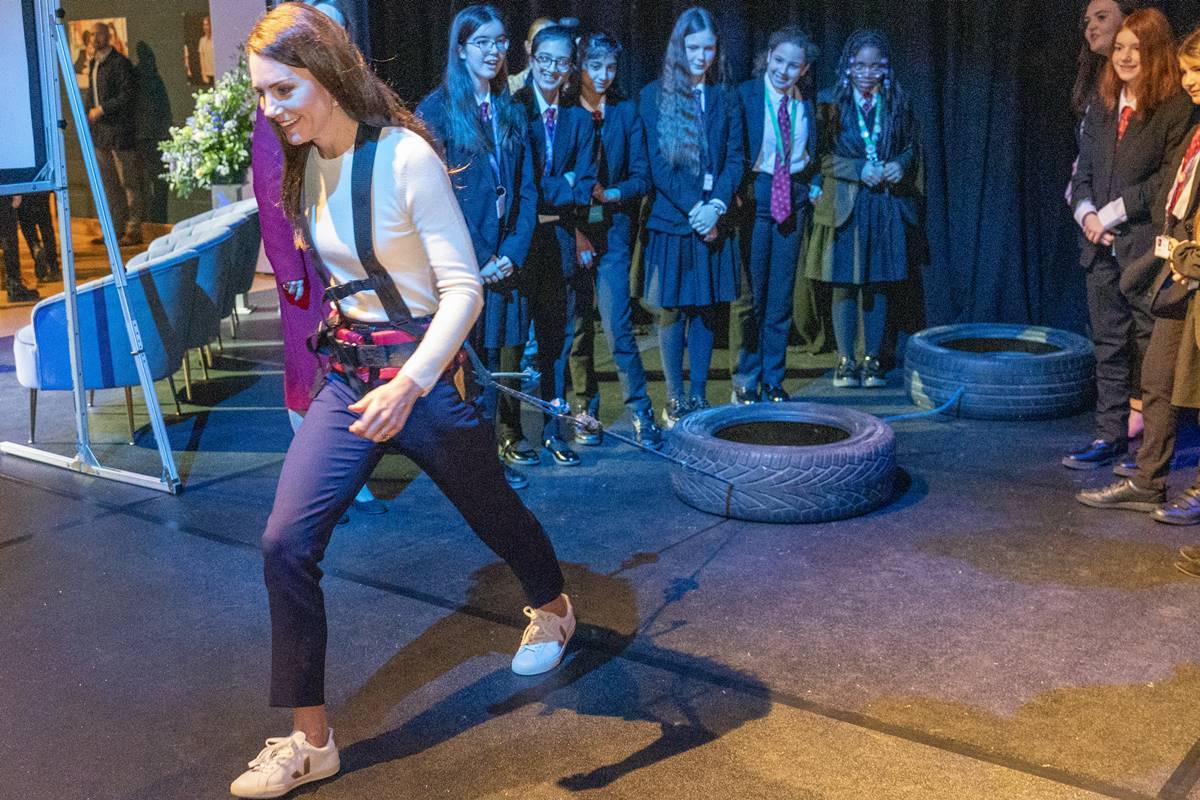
[753, 100]
[677, 189]
[624, 139]
[1133, 169]
[474, 185]
[572, 153]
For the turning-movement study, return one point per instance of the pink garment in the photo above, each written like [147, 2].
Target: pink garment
[299, 318]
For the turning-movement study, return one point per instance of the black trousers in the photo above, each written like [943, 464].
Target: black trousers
[9, 244]
[1120, 334]
[1158, 381]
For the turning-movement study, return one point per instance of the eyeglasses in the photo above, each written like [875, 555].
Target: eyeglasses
[869, 69]
[545, 62]
[485, 45]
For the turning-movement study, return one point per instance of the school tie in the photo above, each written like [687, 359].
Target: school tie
[598, 147]
[485, 116]
[1186, 168]
[781, 182]
[698, 98]
[550, 123]
[1123, 123]
[868, 103]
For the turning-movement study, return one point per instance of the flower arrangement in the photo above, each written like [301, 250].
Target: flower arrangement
[213, 144]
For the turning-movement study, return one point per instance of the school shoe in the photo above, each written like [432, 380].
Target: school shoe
[697, 404]
[1098, 454]
[514, 479]
[545, 640]
[845, 375]
[22, 294]
[583, 435]
[743, 397]
[1124, 495]
[562, 454]
[777, 394]
[284, 764]
[519, 453]
[645, 432]
[675, 410]
[1181, 510]
[872, 373]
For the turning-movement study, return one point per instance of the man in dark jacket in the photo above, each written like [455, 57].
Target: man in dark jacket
[110, 98]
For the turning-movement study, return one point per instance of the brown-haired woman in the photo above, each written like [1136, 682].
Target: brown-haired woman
[1129, 136]
[1171, 371]
[407, 287]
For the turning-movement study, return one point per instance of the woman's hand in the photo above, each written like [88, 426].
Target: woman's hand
[704, 218]
[872, 174]
[1094, 232]
[892, 172]
[385, 409]
[490, 272]
[815, 193]
[506, 266]
[294, 289]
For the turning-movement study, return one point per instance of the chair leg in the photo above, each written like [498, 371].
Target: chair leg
[203, 363]
[233, 324]
[32, 413]
[187, 376]
[208, 355]
[129, 410]
[220, 344]
[174, 395]
[91, 398]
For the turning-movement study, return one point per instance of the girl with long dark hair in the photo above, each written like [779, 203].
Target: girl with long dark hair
[606, 237]
[482, 131]
[694, 138]
[564, 170]
[860, 226]
[369, 198]
[1138, 118]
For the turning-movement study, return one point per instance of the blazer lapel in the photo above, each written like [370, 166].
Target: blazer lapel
[711, 112]
[755, 123]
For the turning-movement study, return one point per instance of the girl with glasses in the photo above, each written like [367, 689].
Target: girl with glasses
[483, 133]
[694, 139]
[561, 138]
[860, 225]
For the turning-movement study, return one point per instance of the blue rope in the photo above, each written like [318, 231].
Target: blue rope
[943, 408]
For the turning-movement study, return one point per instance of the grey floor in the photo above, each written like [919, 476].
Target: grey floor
[983, 636]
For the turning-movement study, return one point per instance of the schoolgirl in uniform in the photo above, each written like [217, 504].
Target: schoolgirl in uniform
[564, 171]
[860, 227]
[782, 173]
[694, 139]
[482, 130]
[605, 237]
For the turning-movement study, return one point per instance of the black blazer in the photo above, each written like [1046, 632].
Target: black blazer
[627, 167]
[1133, 169]
[114, 92]
[677, 190]
[475, 186]
[572, 153]
[753, 114]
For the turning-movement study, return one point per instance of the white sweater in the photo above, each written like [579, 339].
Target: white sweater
[420, 237]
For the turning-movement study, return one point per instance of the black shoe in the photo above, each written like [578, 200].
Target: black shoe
[1098, 453]
[872, 373]
[373, 507]
[519, 453]
[1182, 510]
[1127, 468]
[675, 409]
[22, 294]
[563, 455]
[697, 404]
[645, 432]
[743, 397]
[776, 394]
[515, 479]
[585, 434]
[846, 374]
[1123, 494]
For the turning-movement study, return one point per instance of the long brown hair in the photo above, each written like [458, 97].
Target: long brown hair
[1159, 78]
[679, 134]
[300, 36]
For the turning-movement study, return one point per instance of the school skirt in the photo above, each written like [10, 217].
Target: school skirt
[684, 270]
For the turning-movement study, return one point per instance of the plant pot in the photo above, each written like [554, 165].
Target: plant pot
[225, 193]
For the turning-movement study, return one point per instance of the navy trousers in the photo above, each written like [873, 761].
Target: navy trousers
[1121, 328]
[762, 314]
[609, 291]
[325, 466]
[556, 282]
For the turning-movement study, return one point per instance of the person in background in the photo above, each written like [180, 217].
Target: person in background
[110, 101]
[204, 49]
[782, 177]
[861, 223]
[694, 138]
[519, 80]
[330, 110]
[1131, 131]
[565, 172]
[483, 135]
[1171, 370]
[37, 226]
[605, 239]
[17, 291]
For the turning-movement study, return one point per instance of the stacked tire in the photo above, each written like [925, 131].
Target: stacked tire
[1006, 372]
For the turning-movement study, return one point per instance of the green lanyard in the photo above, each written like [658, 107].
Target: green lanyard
[794, 104]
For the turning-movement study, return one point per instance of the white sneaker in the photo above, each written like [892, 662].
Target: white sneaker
[284, 764]
[545, 640]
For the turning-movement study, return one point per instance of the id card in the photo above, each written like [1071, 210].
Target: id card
[595, 215]
[708, 181]
[1163, 245]
[500, 205]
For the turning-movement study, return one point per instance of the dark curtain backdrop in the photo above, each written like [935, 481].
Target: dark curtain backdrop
[990, 82]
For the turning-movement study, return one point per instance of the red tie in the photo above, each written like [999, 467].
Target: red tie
[550, 122]
[1126, 115]
[1185, 173]
[781, 183]
[867, 104]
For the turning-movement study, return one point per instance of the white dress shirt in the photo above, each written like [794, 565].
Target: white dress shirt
[770, 148]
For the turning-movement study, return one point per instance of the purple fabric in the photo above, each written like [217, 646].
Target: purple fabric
[299, 318]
